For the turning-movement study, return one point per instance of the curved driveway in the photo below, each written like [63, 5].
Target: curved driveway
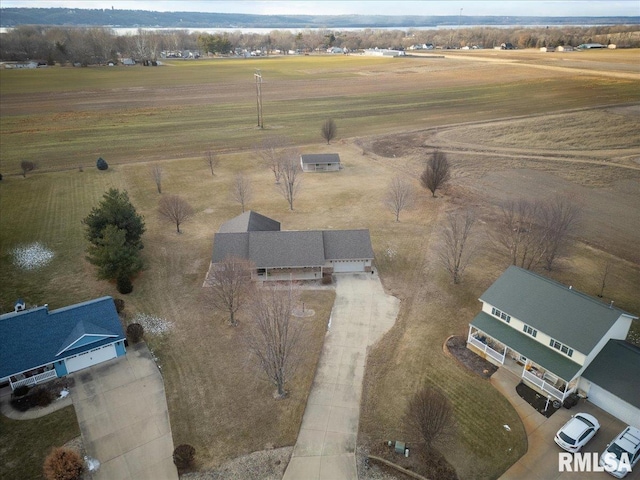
[326, 443]
[123, 417]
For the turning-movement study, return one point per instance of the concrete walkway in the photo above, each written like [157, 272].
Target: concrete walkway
[124, 421]
[541, 460]
[326, 443]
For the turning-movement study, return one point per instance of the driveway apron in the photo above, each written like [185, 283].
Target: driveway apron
[124, 421]
[325, 448]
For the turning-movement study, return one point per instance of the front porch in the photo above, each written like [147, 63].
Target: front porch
[287, 274]
[33, 377]
[532, 373]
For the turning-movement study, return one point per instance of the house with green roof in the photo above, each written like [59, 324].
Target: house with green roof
[552, 335]
[38, 344]
[291, 255]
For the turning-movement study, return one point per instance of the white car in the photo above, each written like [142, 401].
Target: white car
[577, 432]
[627, 445]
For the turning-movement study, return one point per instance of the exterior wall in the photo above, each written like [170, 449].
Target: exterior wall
[286, 274]
[618, 331]
[610, 403]
[61, 368]
[540, 337]
[120, 350]
[320, 167]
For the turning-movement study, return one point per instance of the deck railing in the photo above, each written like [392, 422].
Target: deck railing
[486, 349]
[35, 379]
[544, 385]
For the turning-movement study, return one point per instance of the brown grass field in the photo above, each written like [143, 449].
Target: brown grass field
[512, 124]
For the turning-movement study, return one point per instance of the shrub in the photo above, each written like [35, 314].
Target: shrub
[135, 331]
[21, 391]
[183, 456]
[63, 464]
[41, 396]
[124, 285]
[119, 305]
[102, 164]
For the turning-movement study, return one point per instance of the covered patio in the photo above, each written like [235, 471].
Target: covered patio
[540, 367]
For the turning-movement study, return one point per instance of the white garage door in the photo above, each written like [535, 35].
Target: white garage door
[614, 405]
[92, 357]
[344, 266]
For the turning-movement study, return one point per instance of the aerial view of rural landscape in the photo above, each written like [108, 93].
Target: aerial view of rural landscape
[319, 240]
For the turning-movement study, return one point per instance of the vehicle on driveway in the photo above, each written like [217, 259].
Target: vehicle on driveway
[577, 432]
[626, 444]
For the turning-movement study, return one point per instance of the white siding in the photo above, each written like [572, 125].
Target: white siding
[92, 357]
[614, 405]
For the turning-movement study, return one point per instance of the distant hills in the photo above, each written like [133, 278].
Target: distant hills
[11, 17]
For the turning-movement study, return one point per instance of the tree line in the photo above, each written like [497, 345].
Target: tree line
[99, 45]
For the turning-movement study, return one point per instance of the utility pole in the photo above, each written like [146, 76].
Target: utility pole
[258, 77]
[459, 22]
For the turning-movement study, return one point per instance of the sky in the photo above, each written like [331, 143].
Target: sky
[550, 8]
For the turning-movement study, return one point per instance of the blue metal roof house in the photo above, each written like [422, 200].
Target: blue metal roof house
[37, 345]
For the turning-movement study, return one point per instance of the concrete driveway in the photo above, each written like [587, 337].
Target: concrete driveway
[542, 460]
[326, 443]
[124, 421]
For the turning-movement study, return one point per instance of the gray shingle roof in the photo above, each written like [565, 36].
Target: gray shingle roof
[320, 158]
[617, 369]
[527, 346]
[249, 221]
[565, 314]
[287, 249]
[33, 338]
[347, 244]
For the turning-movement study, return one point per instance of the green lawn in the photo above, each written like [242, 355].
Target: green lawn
[24, 444]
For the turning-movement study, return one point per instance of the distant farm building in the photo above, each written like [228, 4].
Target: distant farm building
[588, 46]
[320, 162]
[565, 48]
[384, 52]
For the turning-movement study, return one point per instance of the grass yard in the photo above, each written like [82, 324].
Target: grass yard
[218, 401]
[24, 444]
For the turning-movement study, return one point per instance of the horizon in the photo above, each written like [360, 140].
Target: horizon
[501, 8]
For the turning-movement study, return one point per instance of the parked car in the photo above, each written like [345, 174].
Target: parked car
[627, 443]
[577, 432]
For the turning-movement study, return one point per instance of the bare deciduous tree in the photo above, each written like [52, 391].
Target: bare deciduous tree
[241, 190]
[329, 130]
[274, 335]
[212, 161]
[561, 217]
[156, 173]
[536, 231]
[27, 166]
[606, 269]
[429, 415]
[436, 173]
[400, 196]
[230, 286]
[457, 248]
[289, 187]
[521, 234]
[270, 154]
[175, 209]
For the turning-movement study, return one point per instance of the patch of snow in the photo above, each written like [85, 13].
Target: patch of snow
[152, 324]
[32, 256]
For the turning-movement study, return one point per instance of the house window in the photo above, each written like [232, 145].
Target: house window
[500, 314]
[531, 331]
[563, 348]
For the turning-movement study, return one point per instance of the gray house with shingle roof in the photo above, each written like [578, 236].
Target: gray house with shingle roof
[37, 345]
[320, 162]
[298, 255]
[547, 332]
